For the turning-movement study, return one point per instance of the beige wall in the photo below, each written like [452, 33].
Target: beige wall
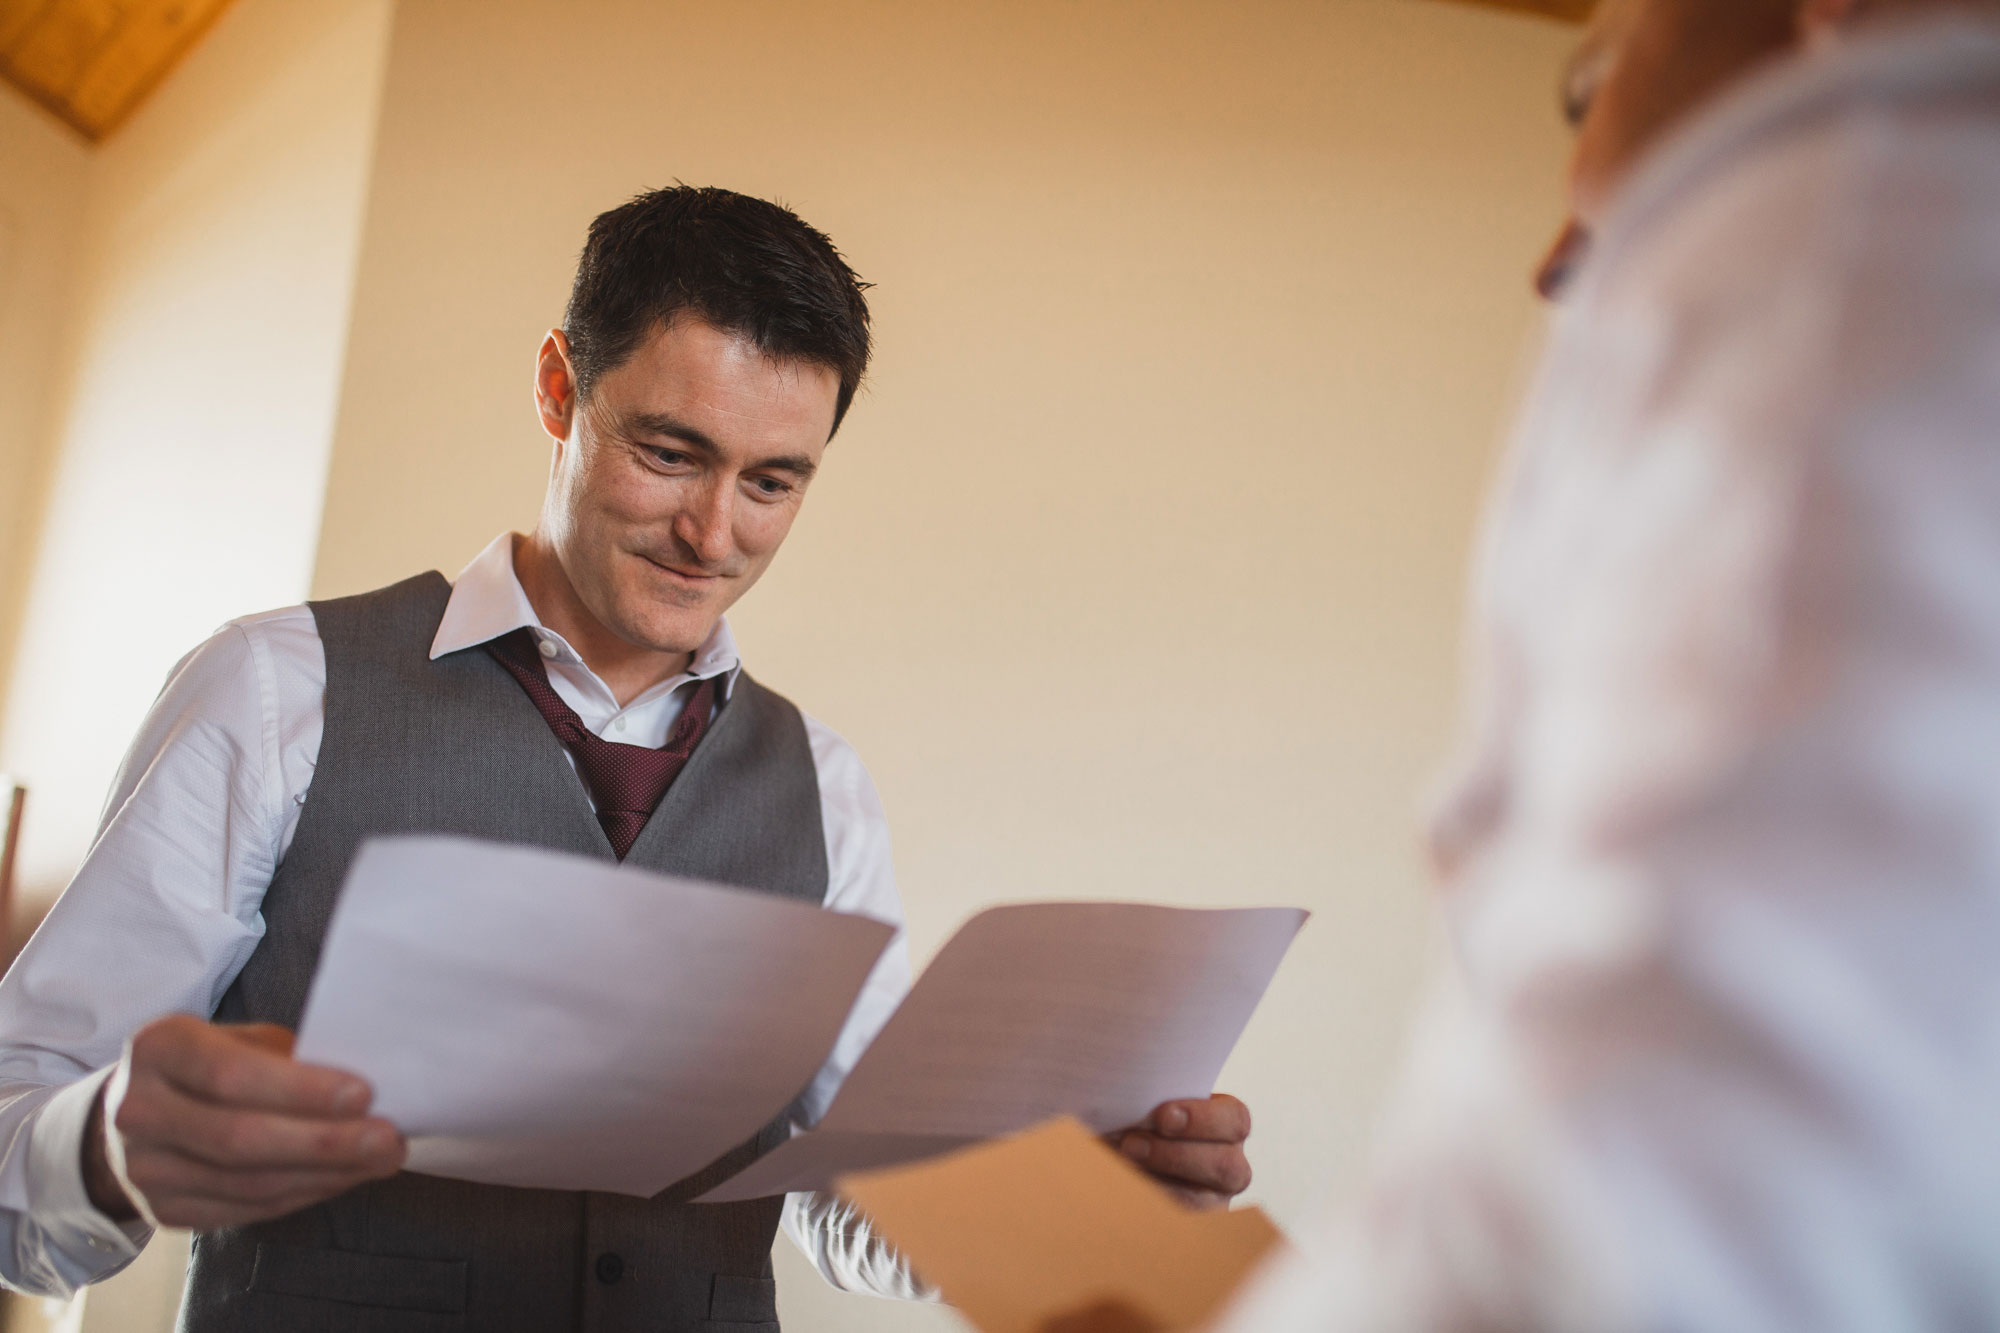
[1136, 573]
[186, 448]
[44, 179]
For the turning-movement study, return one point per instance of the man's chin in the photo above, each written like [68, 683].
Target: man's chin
[675, 634]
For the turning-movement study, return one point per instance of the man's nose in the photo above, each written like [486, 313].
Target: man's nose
[1562, 261]
[706, 524]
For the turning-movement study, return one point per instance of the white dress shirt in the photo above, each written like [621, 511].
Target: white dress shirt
[1722, 1048]
[165, 910]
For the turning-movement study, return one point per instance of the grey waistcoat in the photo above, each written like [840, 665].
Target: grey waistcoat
[454, 746]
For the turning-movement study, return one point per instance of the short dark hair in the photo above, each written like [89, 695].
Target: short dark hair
[747, 266]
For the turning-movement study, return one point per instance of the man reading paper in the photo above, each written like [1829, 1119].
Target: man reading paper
[577, 689]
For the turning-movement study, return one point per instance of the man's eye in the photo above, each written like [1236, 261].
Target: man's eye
[770, 487]
[668, 457]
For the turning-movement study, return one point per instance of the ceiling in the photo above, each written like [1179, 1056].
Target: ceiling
[92, 62]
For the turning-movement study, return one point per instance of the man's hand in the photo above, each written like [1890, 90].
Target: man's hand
[214, 1126]
[1103, 1317]
[1195, 1149]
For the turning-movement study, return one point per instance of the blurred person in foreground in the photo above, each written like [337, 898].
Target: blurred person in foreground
[575, 688]
[1721, 1048]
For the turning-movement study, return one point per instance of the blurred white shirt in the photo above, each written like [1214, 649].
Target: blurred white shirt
[1722, 1050]
[165, 910]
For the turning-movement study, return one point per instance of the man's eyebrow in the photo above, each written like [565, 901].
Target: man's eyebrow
[797, 464]
[659, 423]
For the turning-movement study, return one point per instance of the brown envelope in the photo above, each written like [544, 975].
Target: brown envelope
[1053, 1232]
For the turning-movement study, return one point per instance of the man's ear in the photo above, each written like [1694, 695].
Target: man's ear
[555, 385]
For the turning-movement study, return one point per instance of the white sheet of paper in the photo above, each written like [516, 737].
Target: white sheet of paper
[1096, 1010]
[537, 1019]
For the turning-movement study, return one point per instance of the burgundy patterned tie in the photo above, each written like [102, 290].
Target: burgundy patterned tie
[626, 781]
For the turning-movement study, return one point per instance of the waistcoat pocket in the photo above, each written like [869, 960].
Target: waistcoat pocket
[748, 1302]
[349, 1277]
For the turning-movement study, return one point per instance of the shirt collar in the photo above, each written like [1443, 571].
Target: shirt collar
[487, 600]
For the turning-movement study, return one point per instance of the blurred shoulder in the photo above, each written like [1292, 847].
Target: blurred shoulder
[1829, 169]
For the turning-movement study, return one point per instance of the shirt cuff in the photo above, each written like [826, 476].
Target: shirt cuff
[57, 1199]
[837, 1238]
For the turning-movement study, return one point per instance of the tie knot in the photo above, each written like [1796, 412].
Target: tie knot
[626, 782]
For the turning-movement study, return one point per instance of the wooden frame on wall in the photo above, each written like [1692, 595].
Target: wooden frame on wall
[1566, 11]
[13, 801]
[92, 62]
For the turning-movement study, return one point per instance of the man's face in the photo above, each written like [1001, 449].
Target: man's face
[677, 477]
[1644, 68]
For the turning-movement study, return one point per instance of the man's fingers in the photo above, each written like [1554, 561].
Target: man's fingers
[226, 1137]
[1217, 1119]
[1194, 1148]
[209, 1063]
[219, 1126]
[1103, 1317]
[264, 1036]
[1200, 1201]
[171, 1180]
[1221, 1167]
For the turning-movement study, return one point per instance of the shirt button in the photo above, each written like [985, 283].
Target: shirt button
[548, 647]
[609, 1268]
[618, 724]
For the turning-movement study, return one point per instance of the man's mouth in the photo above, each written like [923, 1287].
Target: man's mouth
[697, 577]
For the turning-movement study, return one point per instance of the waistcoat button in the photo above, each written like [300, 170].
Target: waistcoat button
[609, 1268]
